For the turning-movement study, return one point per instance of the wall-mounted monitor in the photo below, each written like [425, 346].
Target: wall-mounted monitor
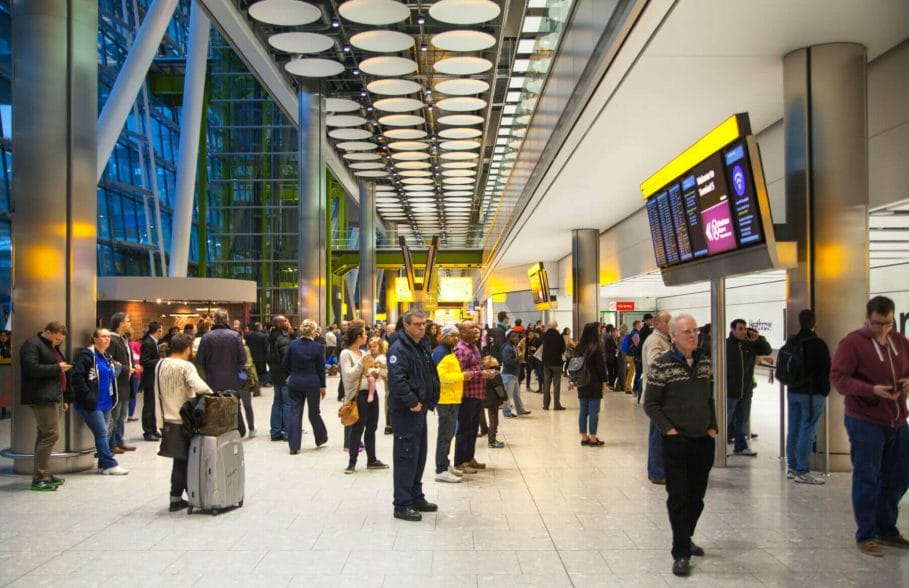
[710, 203]
[539, 286]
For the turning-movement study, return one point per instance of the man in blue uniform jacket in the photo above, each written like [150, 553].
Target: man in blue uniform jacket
[413, 388]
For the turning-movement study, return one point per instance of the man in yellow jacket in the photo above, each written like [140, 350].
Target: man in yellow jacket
[452, 387]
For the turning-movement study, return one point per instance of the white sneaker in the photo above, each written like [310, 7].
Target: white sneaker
[809, 479]
[447, 476]
[117, 470]
[790, 474]
[747, 451]
[455, 471]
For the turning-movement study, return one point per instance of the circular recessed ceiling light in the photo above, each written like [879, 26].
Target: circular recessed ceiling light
[314, 67]
[374, 12]
[410, 156]
[461, 104]
[408, 145]
[459, 164]
[458, 120]
[349, 134]
[360, 156]
[464, 11]
[356, 145]
[371, 174]
[344, 120]
[461, 66]
[415, 173]
[463, 41]
[382, 41]
[460, 145]
[393, 87]
[367, 165]
[458, 155]
[459, 133]
[459, 199]
[398, 104]
[462, 87]
[457, 193]
[421, 196]
[401, 120]
[415, 188]
[286, 13]
[388, 66]
[459, 173]
[458, 181]
[341, 105]
[385, 188]
[405, 133]
[298, 42]
[412, 164]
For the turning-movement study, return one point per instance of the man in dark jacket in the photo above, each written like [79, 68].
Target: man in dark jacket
[413, 388]
[149, 357]
[119, 350]
[679, 402]
[44, 386]
[511, 380]
[871, 370]
[221, 355]
[741, 353]
[257, 341]
[278, 342]
[610, 354]
[553, 350]
[498, 335]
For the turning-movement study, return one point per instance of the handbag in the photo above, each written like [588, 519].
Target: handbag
[348, 413]
[220, 414]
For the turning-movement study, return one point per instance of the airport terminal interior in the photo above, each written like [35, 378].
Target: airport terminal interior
[556, 161]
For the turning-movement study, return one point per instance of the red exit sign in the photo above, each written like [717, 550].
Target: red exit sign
[624, 306]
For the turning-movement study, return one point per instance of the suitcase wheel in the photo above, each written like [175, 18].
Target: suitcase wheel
[189, 510]
[240, 504]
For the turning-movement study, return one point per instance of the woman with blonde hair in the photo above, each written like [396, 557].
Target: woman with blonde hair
[305, 366]
[356, 369]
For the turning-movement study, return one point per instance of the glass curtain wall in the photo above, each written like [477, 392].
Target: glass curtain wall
[6, 161]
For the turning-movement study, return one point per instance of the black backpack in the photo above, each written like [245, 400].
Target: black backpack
[578, 371]
[790, 363]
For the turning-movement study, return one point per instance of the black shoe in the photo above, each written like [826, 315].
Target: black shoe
[425, 506]
[43, 486]
[149, 437]
[179, 505]
[56, 481]
[278, 438]
[294, 451]
[681, 566]
[408, 514]
[696, 550]
[559, 408]
[388, 430]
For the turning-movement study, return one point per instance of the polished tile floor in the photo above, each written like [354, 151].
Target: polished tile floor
[546, 513]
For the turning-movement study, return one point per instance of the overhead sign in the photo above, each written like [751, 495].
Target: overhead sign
[402, 289]
[624, 306]
[456, 289]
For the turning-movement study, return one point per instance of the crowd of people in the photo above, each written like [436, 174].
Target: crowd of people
[470, 376]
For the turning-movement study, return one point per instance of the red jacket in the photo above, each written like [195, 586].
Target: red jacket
[860, 363]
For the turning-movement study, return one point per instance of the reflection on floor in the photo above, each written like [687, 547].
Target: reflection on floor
[546, 513]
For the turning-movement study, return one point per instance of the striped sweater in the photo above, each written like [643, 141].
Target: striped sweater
[680, 396]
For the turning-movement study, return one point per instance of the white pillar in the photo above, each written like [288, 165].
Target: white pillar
[131, 77]
[190, 125]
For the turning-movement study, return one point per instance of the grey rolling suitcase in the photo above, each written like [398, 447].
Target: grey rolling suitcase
[216, 472]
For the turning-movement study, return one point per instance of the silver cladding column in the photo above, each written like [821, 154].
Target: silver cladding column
[55, 202]
[585, 275]
[367, 274]
[718, 361]
[311, 211]
[826, 133]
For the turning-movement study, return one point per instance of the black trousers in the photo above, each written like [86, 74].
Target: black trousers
[687, 462]
[149, 422]
[410, 447]
[468, 423]
[298, 399]
[364, 428]
[178, 478]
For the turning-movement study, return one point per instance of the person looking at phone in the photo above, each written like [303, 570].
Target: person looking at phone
[871, 369]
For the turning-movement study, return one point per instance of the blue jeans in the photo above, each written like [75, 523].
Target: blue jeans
[655, 470]
[735, 416]
[590, 415]
[280, 411]
[448, 418]
[805, 411]
[97, 422]
[512, 389]
[880, 476]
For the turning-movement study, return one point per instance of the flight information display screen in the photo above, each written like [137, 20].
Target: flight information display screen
[710, 209]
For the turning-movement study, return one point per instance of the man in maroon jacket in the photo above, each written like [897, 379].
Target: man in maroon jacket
[871, 369]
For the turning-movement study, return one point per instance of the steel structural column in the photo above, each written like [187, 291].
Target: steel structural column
[190, 126]
[826, 137]
[131, 77]
[585, 274]
[367, 273]
[55, 93]
[718, 360]
[311, 212]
